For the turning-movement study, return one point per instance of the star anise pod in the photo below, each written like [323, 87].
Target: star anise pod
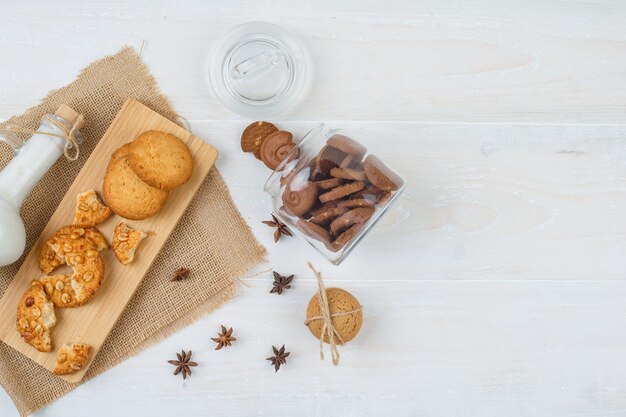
[224, 338]
[183, 363]
[279, 358]
[181, 274]
[281, 283]
[281, 228]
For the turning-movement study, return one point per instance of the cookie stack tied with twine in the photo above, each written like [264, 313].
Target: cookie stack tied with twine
[333, 316]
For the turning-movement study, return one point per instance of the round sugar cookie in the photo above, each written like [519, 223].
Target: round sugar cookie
[161, 160]
[126, 194]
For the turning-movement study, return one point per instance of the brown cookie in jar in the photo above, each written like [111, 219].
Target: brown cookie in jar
[342, 191]
[327, 213]
[355, 216]
[298, 201]
[355, 203]
[346, 145]
[380, 175]
[314, 231]
[327, 159]
[276, 147]
[348, 174]
[345, 238]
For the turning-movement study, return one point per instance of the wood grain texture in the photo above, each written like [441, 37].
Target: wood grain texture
[92, 322]
[435, 60]
[495, 287]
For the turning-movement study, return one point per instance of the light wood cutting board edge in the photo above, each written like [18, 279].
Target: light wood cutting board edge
[120, 281]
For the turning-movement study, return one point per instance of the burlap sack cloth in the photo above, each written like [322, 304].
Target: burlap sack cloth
[211, 239]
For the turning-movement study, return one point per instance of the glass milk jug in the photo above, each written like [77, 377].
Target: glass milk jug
[31, 160]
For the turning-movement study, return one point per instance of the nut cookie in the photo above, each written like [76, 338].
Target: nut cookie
[67, 291]
[89, 210]
[69, 239]
[71, 358]
[35, 318]
[125, 242]
[161, 160]
[126, 194]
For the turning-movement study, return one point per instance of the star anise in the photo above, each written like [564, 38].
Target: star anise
[279, 358]
[183, 363]
[281, 228]
[281, 283]
[224, 338]
[181, 274]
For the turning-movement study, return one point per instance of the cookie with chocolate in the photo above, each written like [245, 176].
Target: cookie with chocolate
[355, 216]
[342, 191]
[314, 231]
[276, 147]
[299, 201]
[380, 175]
[346, 145]
[253, 136]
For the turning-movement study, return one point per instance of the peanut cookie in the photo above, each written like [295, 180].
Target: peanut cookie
[161, 160]
[126, 194]
[74, 239]
[35, 318]
[381, 175]
[89, 210]
[342, 191]
[125, 242]
[347, 145]
[276, 147]
[355, 216]
[253, 136]
[299, 201]
[339, 301]
[71, 358]
[77, 288]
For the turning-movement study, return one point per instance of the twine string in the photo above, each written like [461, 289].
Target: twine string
[69, 134]
[328, 328]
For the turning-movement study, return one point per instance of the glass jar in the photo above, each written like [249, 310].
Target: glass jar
[330, 191]
[257, 69]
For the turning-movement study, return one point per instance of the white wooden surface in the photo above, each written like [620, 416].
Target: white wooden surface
[496, 285]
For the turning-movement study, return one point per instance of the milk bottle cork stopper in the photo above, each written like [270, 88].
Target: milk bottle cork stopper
[66, 112]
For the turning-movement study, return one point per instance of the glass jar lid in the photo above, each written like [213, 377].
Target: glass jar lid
[257, 69]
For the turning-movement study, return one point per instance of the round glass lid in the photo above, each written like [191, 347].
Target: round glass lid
[257, 69]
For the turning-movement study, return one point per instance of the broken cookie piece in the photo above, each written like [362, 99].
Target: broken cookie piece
[125, 242]
[90, 211]
[71, 358]
[35, 317]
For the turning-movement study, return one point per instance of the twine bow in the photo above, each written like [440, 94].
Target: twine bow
[327, 327]
[69, 134]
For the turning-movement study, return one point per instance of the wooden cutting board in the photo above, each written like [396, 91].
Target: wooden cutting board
[92, 322]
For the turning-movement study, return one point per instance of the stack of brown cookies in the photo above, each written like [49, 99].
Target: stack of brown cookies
[141, 174]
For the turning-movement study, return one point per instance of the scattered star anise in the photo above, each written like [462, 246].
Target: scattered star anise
[279, 358]
[183, 363]
[281, 283]
[181, 274]
[224, 338]
[281, 228]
